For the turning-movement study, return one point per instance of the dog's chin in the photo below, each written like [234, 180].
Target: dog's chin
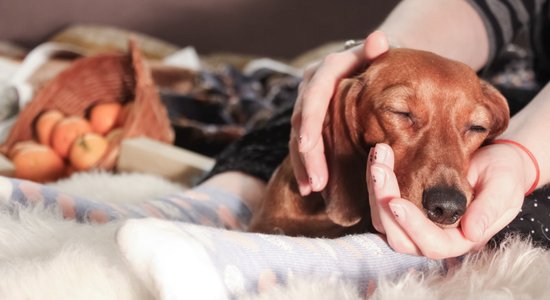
[444, 225]
[453, 225]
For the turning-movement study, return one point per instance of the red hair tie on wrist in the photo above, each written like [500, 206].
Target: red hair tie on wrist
[531, 156]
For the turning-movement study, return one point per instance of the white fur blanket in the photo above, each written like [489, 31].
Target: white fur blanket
[45, 257]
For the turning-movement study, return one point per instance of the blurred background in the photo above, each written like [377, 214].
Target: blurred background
[274, 28]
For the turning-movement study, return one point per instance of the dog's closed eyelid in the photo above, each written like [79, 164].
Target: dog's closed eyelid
[400, 111]
[477, 129]
[479, 121]
[406, 114]
[397, 107]
[402, 116]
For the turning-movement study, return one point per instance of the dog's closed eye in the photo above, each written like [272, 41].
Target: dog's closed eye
[477, 129]
[479, 122]
[403, 114]
[406, 116]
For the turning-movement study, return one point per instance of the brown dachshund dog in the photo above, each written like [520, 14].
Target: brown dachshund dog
[432, 111]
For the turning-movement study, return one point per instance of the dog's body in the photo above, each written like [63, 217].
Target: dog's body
[432, 111]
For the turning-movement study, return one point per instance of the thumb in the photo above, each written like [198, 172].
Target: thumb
[495, 205]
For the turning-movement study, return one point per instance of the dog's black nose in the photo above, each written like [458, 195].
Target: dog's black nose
[444, 205]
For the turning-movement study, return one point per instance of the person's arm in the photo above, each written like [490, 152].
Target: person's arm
[530, 127]
[450, 28]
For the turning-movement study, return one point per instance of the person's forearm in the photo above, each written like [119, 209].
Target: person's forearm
[530, 127]
[451, 28]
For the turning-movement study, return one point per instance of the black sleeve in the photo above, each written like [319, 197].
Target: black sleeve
[260, 151]
[506, 18]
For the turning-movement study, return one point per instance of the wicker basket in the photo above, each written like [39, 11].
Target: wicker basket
[96, 79]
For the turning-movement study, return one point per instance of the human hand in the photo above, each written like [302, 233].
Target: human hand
[500, 175]
[314, 94]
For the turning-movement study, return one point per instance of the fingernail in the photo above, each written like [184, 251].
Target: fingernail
[397, 211]
[312, 182]
[371, 155]
[315, 183]
[378, 176]
[380, 154]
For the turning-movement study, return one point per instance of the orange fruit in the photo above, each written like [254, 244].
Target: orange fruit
[20, 146]
[38, 163]
[87, 150]
[65, 133]
[45, 124]
[103, 116]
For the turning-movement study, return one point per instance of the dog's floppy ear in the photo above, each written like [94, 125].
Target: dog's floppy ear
[498, 106]
[346, 192]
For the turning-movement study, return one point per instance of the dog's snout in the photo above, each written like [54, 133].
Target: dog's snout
[444, 205]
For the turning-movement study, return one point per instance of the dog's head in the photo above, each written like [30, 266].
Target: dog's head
[432, 111]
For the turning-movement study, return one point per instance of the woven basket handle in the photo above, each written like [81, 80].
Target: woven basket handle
[34, 60]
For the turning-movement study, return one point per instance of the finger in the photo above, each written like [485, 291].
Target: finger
[374, 213]
[298, 168]
[296, 119]
[385, 189]
[316, 166]
[309, 71]
[320, 81]
[382, 154]
[489, 211]
[316, 94]
[310, 110]
[375, 44]
[431, 240]
[297, 112]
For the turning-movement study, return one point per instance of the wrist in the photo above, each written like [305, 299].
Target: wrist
[250, 189]
[529, 161]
